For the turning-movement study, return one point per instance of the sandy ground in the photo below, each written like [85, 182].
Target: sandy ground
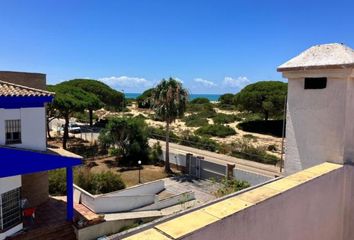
[178, 127]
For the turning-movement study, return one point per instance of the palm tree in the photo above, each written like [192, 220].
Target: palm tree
[169, 103]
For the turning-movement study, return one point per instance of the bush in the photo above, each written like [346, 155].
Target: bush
[227, 101]
[98, 183]
[231, 185]
[250, 137]
[245, 150]
[222, 118]
[84, 117]
[129, 136]
[94, 183]
[270, 127]
[216, 130]
[155, 153]
[204, 143]
[200, 100]
[160, 134]
[204, 110]
[195, 120]
[57, 182]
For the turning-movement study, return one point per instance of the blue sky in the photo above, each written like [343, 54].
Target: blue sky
[212, 46]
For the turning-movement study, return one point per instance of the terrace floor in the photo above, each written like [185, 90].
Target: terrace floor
[50, 221]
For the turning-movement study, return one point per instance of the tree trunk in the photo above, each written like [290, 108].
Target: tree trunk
[91, 117]
[266, 115]
[66, 131]
[48, 130]
[167, 157]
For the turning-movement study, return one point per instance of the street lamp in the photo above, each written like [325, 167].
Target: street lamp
[139, 163]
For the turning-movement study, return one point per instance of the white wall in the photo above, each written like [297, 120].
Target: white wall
[316, 120]
[112, 204]
[153, 187]
[8, 184]
[33, 127]
[313, 210]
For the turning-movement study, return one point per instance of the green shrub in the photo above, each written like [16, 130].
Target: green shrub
[270, 127]
[216, 130]
[204, 110]
[155, 153]
[231, 185]
[204, 143]
[243, 149]
[200, 100]
[248, 116]
[272, 148]
[160, 134]
[195, 120]
[84, 117]
[94, 183]
[222, 118]
[57, 182]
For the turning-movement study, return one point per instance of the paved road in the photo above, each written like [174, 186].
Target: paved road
[246, 165]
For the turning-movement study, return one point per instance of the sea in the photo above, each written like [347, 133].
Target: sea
[211, 97]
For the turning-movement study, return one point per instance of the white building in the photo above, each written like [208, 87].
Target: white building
[23, 173]
[320, 112]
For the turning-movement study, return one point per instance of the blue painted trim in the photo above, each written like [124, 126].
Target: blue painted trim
[17, 162]
[24, 102]
[69, 194]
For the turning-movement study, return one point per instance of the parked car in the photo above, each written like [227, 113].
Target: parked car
[73, 128]
[101, 123]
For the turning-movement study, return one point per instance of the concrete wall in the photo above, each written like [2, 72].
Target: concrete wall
[33, 127]
[35, 188]
[313, 210]
[251, 178]
[316, 119]
[153, 187]
[107, 228]
[9, 183]
[112, 204]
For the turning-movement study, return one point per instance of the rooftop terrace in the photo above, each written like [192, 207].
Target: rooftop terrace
[310, 204]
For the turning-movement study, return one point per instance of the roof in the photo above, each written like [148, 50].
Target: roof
[333, 55]
[14, 90]
[15, 161]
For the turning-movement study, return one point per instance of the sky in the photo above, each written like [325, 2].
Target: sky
[211, 46]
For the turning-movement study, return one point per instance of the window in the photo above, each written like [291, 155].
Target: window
[10, 209]
[13, 131]
[315, 83]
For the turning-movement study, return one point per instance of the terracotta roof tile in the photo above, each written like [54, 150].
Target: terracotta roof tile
[13, 90]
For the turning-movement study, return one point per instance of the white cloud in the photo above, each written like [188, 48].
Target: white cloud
[126, 82]
[204, 82]
[239, 82]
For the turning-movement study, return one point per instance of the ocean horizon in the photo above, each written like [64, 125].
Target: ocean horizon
[211, 97]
